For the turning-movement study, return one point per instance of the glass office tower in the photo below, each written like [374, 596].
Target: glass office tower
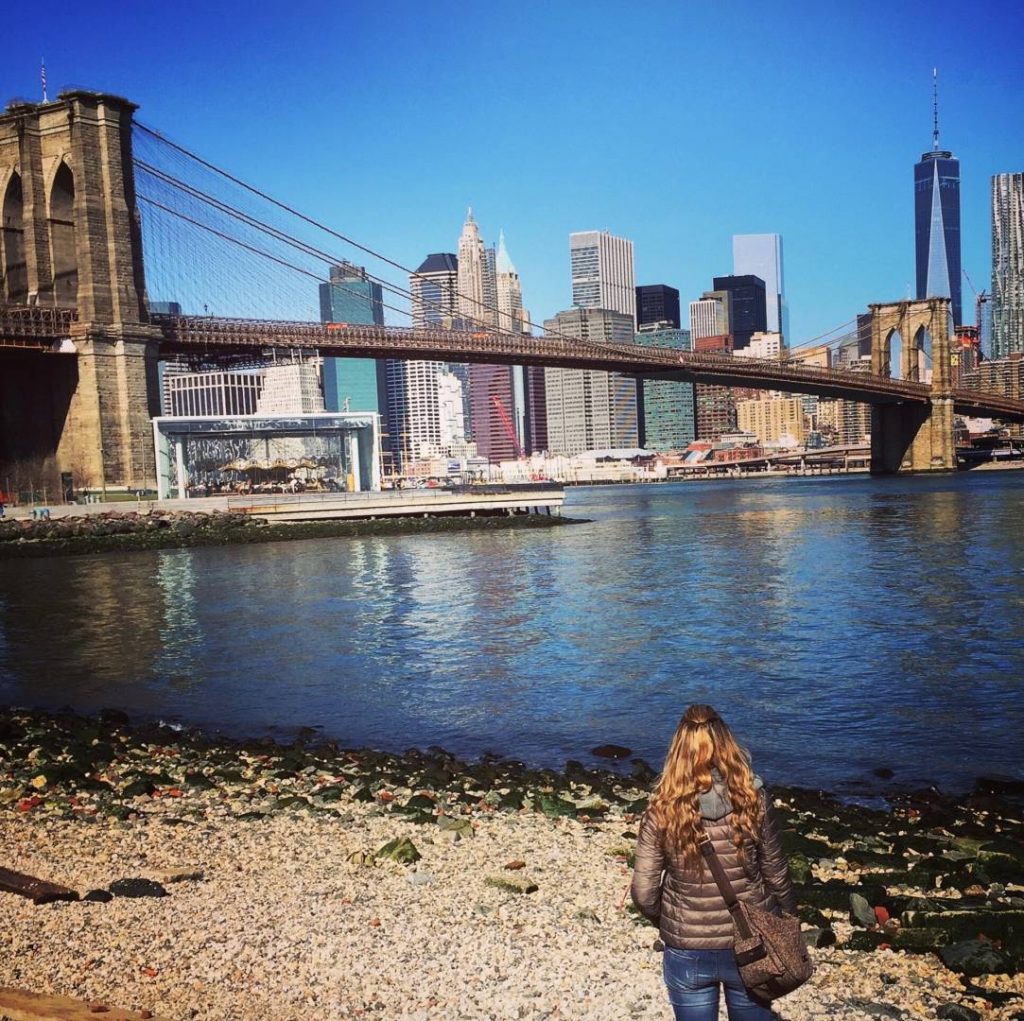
[666, 413]
[748, 313]
[350, 296]
[760, 255]
[937, 222]
[657, 303]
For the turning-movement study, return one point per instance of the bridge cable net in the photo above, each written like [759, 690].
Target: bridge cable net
[220, 247]
[217, 249]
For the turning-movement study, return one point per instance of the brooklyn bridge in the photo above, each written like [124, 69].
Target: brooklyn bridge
[79, 343]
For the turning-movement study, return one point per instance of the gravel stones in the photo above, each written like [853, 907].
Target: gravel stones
[299, 916]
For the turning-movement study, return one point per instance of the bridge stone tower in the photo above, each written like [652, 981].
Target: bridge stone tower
[71, 239]
[917, 336]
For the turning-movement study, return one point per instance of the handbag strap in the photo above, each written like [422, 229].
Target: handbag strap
[724, 886]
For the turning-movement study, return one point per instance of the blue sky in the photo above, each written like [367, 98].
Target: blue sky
[673, 124]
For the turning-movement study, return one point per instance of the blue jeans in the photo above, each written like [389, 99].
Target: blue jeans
[693, 978]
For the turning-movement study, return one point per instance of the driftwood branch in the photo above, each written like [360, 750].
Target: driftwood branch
[37, 890]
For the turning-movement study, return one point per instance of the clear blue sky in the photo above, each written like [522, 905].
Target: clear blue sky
[673, 124]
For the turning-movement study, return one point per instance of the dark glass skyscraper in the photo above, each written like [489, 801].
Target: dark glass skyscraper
[937, 223]
[748, 309]
[657, 303]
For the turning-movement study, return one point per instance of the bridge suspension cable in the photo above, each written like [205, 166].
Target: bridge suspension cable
[175, 183]
[292, 242]
[290, 210]
[296, 243]
[256, 251]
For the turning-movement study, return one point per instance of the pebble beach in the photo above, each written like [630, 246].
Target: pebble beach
[315, 883]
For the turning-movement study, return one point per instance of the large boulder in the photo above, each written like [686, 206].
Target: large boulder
[973, 957]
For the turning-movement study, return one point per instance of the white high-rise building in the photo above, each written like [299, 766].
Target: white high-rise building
[1007, 264]
[763, 345]
[292, 388]
[602, 272]
[477, 289]
[413, 411]
[452, 420]
[760, 255]
[588, 409]
[709, 316]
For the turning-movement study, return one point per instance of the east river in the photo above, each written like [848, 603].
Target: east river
[840, 625]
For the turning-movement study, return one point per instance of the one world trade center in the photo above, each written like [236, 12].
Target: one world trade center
[937, 222]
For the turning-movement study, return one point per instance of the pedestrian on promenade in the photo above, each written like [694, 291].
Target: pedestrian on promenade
[707, 787]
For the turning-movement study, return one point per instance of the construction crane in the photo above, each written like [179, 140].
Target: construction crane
[979, 299]
[507, 425]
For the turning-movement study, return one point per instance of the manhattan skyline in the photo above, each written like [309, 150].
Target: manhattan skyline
[544, 139]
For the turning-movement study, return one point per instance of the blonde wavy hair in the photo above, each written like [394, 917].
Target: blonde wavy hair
[703, 742]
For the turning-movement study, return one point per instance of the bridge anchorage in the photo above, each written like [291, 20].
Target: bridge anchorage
[79, 348]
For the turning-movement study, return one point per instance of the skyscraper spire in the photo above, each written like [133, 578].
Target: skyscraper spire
[935, 109]
[503, 263]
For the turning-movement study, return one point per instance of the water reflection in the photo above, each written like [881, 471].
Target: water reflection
[181, 636]
[840, 624]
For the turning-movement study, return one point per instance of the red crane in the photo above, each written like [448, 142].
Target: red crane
[506, 423]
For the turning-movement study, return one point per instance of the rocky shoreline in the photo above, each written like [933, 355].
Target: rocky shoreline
[313, 881]
[116, 531]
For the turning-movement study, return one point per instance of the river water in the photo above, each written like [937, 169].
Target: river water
[840, 625]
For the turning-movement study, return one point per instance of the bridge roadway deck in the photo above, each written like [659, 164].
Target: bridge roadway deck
[185, 333]
[44, 329]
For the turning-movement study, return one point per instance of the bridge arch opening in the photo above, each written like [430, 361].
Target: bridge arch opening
[922, 352]
[14, 286]
[894, 348]
[63, 253]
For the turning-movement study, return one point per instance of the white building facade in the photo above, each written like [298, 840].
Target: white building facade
[451, 417]
[411, 387]
[588, 409]
[602, 272]
[289, 388]
[763, 345]
[709, 317]
[1007, 264]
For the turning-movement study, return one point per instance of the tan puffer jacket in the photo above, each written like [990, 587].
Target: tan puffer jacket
[684, 903]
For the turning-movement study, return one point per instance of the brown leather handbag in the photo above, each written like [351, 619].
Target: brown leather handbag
[771, 953]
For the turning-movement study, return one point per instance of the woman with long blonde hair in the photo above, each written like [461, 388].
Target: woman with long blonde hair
[707, 787]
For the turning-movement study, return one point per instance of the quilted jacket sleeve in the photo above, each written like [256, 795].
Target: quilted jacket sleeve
[774, 862]
[648, 869]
